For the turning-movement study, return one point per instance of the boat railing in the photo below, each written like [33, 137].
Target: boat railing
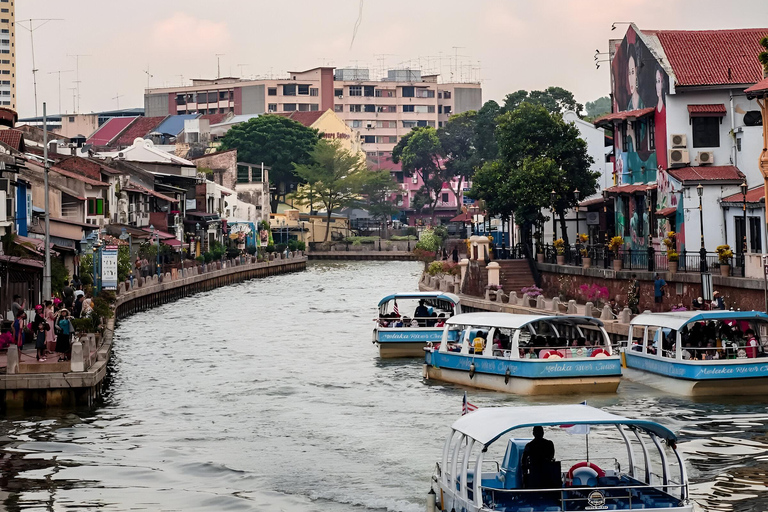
[426, 320]
[727, 351]
[569, 352]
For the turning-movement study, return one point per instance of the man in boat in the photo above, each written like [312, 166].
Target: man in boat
[421, 313]
[538, 456]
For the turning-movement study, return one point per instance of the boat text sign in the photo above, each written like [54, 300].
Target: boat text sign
[700, 370]
[399, 336]
[528, 368]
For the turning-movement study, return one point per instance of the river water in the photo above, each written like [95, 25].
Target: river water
[268, 395]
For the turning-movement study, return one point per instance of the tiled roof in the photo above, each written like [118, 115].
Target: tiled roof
[13, 138]
[707, 173]
[713, 57]
[305, 118]
[592, 202]
[620, 116]
[140, 128]
[144, 190]
[214, 118]
[714, 109]
[109, 130]
[759, 87]
[666, 212]
[79, 177]
[754, 195]
[174, 125]
[629, 189]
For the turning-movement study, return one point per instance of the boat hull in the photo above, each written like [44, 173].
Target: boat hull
[699, 378]
[406, 349]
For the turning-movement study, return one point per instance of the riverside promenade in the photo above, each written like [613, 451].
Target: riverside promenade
[27, 383]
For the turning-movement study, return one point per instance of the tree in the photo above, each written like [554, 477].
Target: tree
[276, 141]
[421, 152]
[459, 150]
[335, 176]
[598, 107]
[763, 56]
[485, 132]
[376, 191]
[555, 99]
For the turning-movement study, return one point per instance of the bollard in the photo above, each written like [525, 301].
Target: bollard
[625, 315]
[77, 363]
[556, 304]
[512, 298]
[571, 307]
[526, 301]
[540, 302]
[500, 296]
[589, 309]
[13, 360]
[607, 314]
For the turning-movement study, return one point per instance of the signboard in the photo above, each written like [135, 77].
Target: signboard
[109, 268]
[465, 199]
[191, 204]
[593, 218]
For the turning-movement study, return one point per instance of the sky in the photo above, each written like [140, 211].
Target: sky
[507, 44]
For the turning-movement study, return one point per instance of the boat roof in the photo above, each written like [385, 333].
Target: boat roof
[486, 425]
[677, 319]
[511, 321]
[421, 295]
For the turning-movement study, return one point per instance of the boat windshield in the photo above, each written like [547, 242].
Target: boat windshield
[415, 312]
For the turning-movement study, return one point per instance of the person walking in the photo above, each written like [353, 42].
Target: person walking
[455, 255]
[69, 295]
[658, 293]
[64, 331]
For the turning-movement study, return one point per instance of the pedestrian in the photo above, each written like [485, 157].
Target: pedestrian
[69, 295]
[455, 254]
[50, 319]
[19, 325]
[76, 283]
[18, 305]
[63, 335]
[717, 301]
[445, 254]
[658, 292]
[40, 336]
[77, 309]
[633, 295]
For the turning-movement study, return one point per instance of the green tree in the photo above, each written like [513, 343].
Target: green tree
[459, 150]
[763, 56]
[276, 141]
[555, 99]
[485, 131]
[376, 191]
[598, 107]
[335, 176]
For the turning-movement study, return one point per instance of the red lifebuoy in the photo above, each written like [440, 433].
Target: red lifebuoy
[599, 351]
[584, 464]
[547, 353]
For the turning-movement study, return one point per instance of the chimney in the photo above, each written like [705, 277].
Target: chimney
[52, 147]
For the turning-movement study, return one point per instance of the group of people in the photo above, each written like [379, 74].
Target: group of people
[423, 316]
[712, 340]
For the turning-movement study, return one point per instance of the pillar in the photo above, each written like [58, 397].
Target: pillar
[493, 273]
[607, 314]
[589, 309]
[463, 264]
[571, 307]
[13, 360]
[77, 362]
[556, 304]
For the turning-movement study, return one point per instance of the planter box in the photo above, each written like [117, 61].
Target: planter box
[540, 257]
[673, 267]
[618, 264]
[725, 270]
[586, 262]
[560, 259]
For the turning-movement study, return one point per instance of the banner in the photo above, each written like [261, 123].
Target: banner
[109, 268]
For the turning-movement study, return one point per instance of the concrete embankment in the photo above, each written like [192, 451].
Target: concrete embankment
[362, 255]
[79, 381]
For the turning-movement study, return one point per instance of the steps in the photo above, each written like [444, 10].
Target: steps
[514, 275]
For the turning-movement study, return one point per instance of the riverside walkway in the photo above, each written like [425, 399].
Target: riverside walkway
[29, 383]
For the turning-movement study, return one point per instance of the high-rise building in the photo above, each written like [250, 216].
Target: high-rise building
[7, 54]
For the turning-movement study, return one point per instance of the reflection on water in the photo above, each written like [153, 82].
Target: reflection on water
[269, 395]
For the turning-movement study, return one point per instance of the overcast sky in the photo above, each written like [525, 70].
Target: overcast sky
[509, 44]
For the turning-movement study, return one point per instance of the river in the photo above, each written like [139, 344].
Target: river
[268, 395]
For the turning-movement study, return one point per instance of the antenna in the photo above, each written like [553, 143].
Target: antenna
[241, 66]
[182, 79]
[117, 98]
[59, 72]
[31, 30]
[77, 76]
[218, 64]
[149, 75]
[73, 89]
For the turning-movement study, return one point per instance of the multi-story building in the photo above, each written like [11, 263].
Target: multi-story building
[7, 54]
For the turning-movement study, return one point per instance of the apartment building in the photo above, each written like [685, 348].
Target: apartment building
[7, 54]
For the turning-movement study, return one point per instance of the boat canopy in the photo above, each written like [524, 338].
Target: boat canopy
[677, 320]
[454, 299]
[486, 425]
[511, 321]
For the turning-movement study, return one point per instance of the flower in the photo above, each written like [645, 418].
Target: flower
[673, 255]
[6, 340]
[532, 291]
[724, 254]
[559, 246]
[615, 244]
[583, 238]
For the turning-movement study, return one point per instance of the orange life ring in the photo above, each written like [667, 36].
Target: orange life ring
[584, 464]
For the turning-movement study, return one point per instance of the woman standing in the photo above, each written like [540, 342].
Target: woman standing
[64, 328]
[50, 319]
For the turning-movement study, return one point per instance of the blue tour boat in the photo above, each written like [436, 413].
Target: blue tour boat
[525, 354]
[629, 464]
[399, 332]
[699, 353]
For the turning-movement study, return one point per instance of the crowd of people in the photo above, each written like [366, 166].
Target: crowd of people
[423, 316]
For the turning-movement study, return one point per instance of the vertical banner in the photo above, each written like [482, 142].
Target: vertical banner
[109, 268]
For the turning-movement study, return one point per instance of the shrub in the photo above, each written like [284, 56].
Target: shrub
[281, 247]
[251, 249]
[532, 291]
[82, 325]
[208, 257]
[358, 240]
[615, 244]
[200, 259]
[412, 231]
[397, 238]
[424, 255]
[108, 295]
[724, 254]
[430, 241]
[559, 246]
[435, 268]
[593, 293]
[270, 248]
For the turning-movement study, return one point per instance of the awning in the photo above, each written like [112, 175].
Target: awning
[623, 116]
[630, 189]
[759, 90]
[708, 110]
[171, 242]
[462, 217]
[592, 202]
[666, 212]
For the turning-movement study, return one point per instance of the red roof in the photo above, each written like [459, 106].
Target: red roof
[109, 130]
[759, 87]
[140, 128]
[666, 212]
[713, 57]
[591, 202]
[214, 118]
[462, 217]
[621, 116]
[13, 138]
[630, 189]
[79, 177]
[711, 110]
[707, 173]
[139, 188]
[305, 118]
[754, 195]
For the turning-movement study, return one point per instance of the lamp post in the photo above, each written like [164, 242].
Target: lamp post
[605, 231]
[702, 251]
[651, 255]
[576, 195]
[157, 247]
[553, 196]
[96, 264]
[197, 241]
[744, 212]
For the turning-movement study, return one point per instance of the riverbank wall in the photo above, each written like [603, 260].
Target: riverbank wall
[80, 380]
[362, 255]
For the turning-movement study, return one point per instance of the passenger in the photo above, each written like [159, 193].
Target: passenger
[717, 301]
[752, 344]
[405, 322]
[697, 304]
[686, 352]
[479, 342]
[614, 307]
[440, 320]
[536, 456]
[415, 323]
[421, 314]
[432, 316]
[530, 353]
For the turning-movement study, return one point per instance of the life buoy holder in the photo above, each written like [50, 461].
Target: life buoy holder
[471, 370]
[584, 464]
[507, 374]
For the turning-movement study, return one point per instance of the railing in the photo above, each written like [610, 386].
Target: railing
[642, 259]
[516, 252]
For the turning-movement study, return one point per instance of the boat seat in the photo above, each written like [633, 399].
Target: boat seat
[553, 509]
[592, 482]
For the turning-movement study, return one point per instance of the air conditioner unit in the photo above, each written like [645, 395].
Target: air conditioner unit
[705, 158]
[369, 125]
[340, 96]
[679, 157]
[678, 140]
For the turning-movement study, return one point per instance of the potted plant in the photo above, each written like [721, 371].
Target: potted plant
[533, 291]
[672, 255]
[539, 248]
[560, 250]
[724, 255]
[614, 246]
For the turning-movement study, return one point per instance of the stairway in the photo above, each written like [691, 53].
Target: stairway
[514, 275]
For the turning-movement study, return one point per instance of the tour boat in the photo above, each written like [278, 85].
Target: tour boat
[399, 333]
[525, 354]
[699, 353]
[629, 464]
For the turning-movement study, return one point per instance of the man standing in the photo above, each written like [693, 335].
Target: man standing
[717, 301]
[69, 296]
[18, 305]
[536, 455]
[658, 292]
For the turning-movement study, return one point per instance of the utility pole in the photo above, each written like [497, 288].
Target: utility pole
[59, 73]
[77, 76]
[47, 269]
[31, 30]
[218, 64]
[117, 98]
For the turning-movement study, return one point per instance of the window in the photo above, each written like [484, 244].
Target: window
[651, 133]
[447, 95]
[414, 179]
[386, 139]
[355, 90]
[71, 119]
[4, 10]
[425, 123]
[243, 176]
[213, 97]
[409, 124]
[272, 107]
[447, 109]
[303, 107]
[368, 90]
[289, 107]
[386, 124]
[424, 109]
[95, 206]
[387, 109]
[623, 132]
[289, 90]
[338, 108]
[355, 124]
[706, 132]
[425, 93]
[314, 91]
[304, 90]
[272, 91]
[338, 92]
[408, 108]
[440, 124]
[370, 108]
[369, 139]
[625, 210]
[409, 92]
[444, 197]
[755, 234]
[181, 99]
[355, 108]
[384, 93]
[439, 109]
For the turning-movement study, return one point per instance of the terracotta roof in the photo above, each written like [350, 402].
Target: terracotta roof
[305, 118]
[621, 116]
[139, 188]
[666, 212]
[13, 138]
[109, 130]
[760, 88]
[710, 110]
[162, 235]
[462, 217]
[630, 189]
[140, 128]
[591, 202]
[214, 118]
[79, 177]
[754, 195]
[707, 173]
[713, 57]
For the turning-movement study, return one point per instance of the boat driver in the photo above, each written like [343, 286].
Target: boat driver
[421, 313]
[536, 458]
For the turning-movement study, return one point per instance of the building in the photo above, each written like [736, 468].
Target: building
[681, 119]
[7, 54]
[331, 126]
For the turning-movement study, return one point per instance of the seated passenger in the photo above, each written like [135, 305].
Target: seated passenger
[479, 342]
[415, 323]
[440, 320]
[752, 344]
[536, 458]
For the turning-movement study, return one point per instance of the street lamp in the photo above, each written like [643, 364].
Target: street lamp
[197, 236]
[553, 196]
[576, 195]
[702, 251]
[744, 211]
[605, 231]
[157, 246]
[649, 200]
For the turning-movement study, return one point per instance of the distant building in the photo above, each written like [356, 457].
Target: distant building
[7, 54]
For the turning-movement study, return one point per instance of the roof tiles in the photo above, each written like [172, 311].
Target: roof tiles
[139, 129]
[755, 195]
[707, 173]
[109, 130]
[13, 138]
[305, 118]
[715, 109]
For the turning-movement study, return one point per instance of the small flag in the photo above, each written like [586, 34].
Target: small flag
[467, 407]
[396, 311]
[576, 429]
